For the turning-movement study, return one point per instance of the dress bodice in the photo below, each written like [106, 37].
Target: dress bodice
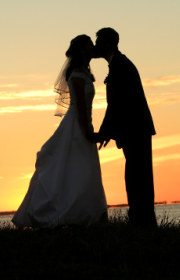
[89, 93]
[89, 89]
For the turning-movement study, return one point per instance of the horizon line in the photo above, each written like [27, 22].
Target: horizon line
[109, 206]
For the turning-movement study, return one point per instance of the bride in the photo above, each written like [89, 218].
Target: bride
[66, 187]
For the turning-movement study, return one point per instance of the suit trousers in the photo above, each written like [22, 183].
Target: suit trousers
[139, 180]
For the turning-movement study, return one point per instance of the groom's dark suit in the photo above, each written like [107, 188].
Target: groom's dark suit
[128, 121]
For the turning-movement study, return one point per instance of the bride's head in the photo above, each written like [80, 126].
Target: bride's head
[80, 52]
[81, 46]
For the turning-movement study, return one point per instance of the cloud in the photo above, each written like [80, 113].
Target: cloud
[163, 98]
[157, 82]
[26, 79]
[26, 176]
[160, 159]
[46, 95]
[155, 96]
[35, 95]
[112, 154]
[100, 88]
[20, 109]
[39, 95]
[99, 103]
[166, 141]
[56, 125]
[161, 81]
[9, 85]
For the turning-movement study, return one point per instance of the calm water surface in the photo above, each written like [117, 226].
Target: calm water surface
[171, 211]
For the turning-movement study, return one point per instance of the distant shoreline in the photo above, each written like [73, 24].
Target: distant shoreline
[7, 213]
[156, 204]
[124, 205]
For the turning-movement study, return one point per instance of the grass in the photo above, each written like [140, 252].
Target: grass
[115, 250]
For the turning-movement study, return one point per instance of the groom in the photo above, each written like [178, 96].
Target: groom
[128, 121]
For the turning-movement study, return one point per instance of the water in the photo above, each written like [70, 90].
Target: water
[172, 211]
[5, 221]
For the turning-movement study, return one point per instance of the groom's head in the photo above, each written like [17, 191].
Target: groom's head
[106, 42]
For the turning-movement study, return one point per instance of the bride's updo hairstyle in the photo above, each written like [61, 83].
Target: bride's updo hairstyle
[75, 53]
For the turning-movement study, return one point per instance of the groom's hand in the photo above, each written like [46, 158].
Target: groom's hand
[104, 143]
[103, 140]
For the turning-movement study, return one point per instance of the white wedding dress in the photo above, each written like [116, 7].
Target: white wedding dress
[66, 187]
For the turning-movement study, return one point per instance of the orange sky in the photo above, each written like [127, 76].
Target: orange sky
[34, 40]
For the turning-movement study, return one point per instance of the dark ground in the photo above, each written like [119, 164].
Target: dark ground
[115, 250]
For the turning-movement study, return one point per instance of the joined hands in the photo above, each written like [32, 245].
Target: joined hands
[103, 140]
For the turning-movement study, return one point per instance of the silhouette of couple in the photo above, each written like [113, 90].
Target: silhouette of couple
[66, 187]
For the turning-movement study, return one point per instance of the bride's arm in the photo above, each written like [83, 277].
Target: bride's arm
[79, 89]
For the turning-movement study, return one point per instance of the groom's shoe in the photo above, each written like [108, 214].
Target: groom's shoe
[141, 220]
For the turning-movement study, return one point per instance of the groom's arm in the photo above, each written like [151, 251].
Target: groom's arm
[104, 132]
[106, 124]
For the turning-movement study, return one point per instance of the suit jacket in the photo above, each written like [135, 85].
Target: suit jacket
[127, 114]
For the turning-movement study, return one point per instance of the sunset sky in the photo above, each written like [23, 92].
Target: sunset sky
[34, 38]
